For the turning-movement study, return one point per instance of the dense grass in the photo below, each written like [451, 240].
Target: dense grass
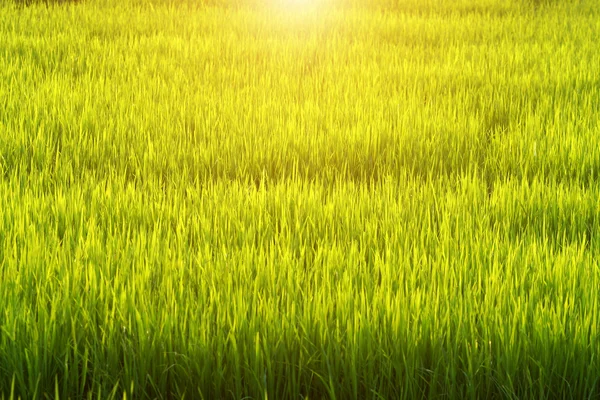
[386, 199]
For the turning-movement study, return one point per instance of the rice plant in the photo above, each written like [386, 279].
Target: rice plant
[345, 199]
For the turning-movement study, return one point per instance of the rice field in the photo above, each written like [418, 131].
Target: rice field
[343, 199]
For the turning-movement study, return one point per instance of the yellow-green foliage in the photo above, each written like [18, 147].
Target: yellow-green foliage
[378, 199]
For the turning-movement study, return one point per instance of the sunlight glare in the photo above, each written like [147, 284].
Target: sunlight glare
[296, 5]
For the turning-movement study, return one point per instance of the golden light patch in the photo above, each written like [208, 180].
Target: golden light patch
[297, 5]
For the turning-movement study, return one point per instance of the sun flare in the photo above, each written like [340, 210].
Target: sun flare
[296, 5]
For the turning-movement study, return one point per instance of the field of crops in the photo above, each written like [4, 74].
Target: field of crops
[353, 199]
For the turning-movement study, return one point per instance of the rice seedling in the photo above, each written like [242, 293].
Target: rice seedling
[374, 199]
